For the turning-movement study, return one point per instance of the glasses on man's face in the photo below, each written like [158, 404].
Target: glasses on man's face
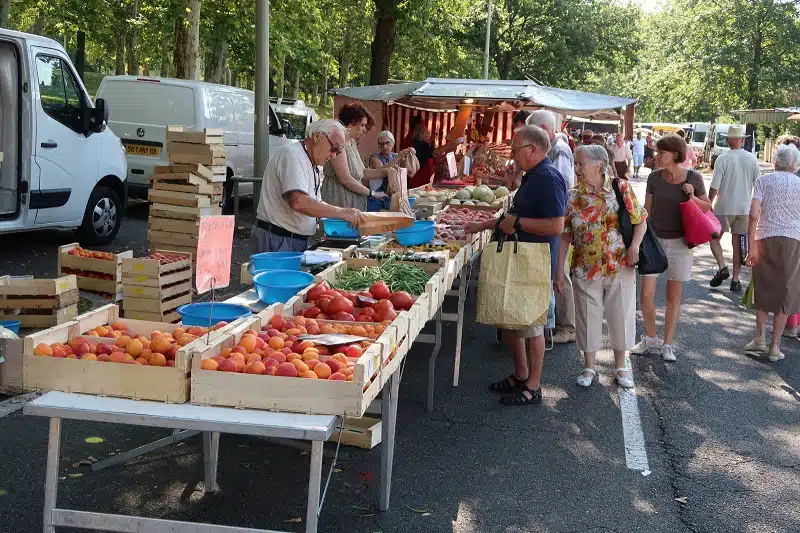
[516, 149]
[335, 150]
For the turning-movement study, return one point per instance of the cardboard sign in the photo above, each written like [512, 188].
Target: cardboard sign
[467, 165]
[451, 165]
[214, 248]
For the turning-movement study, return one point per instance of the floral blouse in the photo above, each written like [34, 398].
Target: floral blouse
[593, 222]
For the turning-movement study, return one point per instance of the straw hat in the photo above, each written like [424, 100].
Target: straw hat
[735, 132]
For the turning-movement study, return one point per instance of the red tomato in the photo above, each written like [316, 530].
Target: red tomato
[312, 312]
[386, 314]
[322, 316]
[365, 294]
[363, 318]
[301, 312]
[369, 311]
[344, 317]
[317, 290]
[340, 305]
[401, 300]
[323, 303]
[383, 305]
[353, 297]
[380, 290]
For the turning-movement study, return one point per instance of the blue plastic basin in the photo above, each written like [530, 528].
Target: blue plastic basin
[339, 229]
[274, 286]
[275, 261]
[11, 325]
[411, 200]
[198, 314]
[420, 232]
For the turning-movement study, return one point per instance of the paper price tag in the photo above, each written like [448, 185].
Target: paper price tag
[467, 165]
[214, 248]
[451, 164]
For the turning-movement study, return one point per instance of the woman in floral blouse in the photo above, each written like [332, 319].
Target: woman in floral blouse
[602, 271]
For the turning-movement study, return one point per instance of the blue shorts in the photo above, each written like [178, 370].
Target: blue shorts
[638, 159]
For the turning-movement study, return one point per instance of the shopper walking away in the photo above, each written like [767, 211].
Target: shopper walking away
[774, 230]
[638, 145]
[735, 175]
[622, 156]
[537, 215]
[602, 267]
[666, 189]
[690, 160]
[562, 158]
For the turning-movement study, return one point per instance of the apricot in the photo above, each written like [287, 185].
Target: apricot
[218, 358]
[43, 349]
[92, 333]
[122, 341]
[270, 361]
[333, 364]
[305, 345]
[225, 353]
[299, 320]
[338, 376]
[58, 351]
[276, 343]
[195, 330]
[301, 366]
[89, 357]
[76, 341]
[251, 332]
[294, 356]
[270, 371]
[103, 357]
[238, 360]
[228, 365]
[209, 364]
[260, 343]
[252, 357]
[117, 357]
[119, 326]
[277, 322]
[146, 354]
[359, 331]
[178, 332]
[248, 342]
[353, 351]
[293, 331]
[308, 374]
[324, 350]
[279, 356]
[171, 363]
[256, 367]
[158, 359]
[128, 358]
[346, 371]
[342, 358]
[308, 356]
[239, 349]
[72, 356]
[286, 369]
[313, 330]
[312, 363]
[349, 378]
[142, 361]
[134, 347]
[101, 330]
[172, 352]
[323, 371]
[155, 333]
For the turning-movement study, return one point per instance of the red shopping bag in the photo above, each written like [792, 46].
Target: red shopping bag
[698, 227]
[793, 321]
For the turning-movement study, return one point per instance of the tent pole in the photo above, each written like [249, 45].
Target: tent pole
[262, 88]
[488, 35]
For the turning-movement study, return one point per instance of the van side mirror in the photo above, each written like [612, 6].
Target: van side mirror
[96, 118]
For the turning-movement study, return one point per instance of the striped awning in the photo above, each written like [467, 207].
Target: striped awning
[778, 115]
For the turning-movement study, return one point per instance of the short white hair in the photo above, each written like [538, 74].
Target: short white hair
[530, 134]
[596, 154]
[327, 126]
[563, 136]
[787, 158]
[386, 135]
[542, 118]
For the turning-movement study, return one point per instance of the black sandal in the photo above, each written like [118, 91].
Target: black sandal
[509, 384]
[521, 399]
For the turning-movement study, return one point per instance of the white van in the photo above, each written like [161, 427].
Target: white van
[295, 116]
[61, 167]
[141, 108]
[717, 142]
[699, 131]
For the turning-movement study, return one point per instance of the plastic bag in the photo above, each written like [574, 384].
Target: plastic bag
[698, 227]
[749, 296]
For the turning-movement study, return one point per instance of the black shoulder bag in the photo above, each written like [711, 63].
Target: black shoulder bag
[652, 258]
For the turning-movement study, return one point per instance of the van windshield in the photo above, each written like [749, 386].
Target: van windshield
[722, 140]
[297, 125]
[140, 102]
[699, 136]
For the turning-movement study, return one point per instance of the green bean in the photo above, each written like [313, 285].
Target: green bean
[398, 277]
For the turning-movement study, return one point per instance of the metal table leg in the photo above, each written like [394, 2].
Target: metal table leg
[51, 482]
[314, 480]
[462, 296]
[432, 361]
[177, 436]
[388, 424]
[210, 457]
[235, 201]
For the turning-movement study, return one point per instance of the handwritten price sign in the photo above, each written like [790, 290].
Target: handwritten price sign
[214, 247]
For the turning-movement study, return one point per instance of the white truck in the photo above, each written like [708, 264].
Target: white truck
[61, 167]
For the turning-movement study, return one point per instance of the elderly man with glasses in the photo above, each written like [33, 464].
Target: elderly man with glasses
[290, 204]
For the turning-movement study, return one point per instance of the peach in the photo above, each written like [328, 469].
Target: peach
[72, 356]
[256, 367]
[119, 326]
[268, 351]
[289, 339]
[160, 344]
[171, 363]
[251, 358]
[43, 349]
[279, 356]
[220, 324]
[287, 369]
[308, 374]
[276, 343]
[333, 364]
[117, 357]
[240, 349]
[134, 347]
[293, 356]
[286, 351]
[122, 341]
[142, 361]
[260, 343]
[353, 351]
[58, 351]
[323, 371]
[228, 365]
[248, 342]
[251, 332]
[89, 357]
[270, 361]
[270, 371]
[105, 348]
[104, 357]
[277, 322]
[338, 376]
[81, 349]
[218, 358]
[313, 330]
[312, 363]
[158, 359]
[172, 352]
[91, 333]
[76, 341]
[273, 332]
[301, 366]
[238, 360]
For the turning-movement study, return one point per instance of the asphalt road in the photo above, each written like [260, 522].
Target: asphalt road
[721, 434]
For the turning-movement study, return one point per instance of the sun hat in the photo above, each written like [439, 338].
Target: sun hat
[735, 132]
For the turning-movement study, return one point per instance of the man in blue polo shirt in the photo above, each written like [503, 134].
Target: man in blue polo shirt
[537, 215]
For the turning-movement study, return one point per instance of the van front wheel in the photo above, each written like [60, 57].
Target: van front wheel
[103, 217]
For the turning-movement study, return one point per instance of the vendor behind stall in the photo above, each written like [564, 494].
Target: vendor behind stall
[290, 204]
[383, 157]
[345, 175]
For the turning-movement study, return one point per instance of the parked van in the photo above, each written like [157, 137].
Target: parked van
[61, 167]
[141, 108]
[716, 142]
[699, 131]
[295, 116]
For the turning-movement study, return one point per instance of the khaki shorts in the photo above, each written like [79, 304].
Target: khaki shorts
[680, 259]
[614, 298]
[736, 224]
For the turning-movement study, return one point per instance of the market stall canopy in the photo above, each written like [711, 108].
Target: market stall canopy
[502, 95]
[778, 115]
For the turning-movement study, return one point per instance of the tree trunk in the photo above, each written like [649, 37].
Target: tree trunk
[503, 60]
[235, 77]
[165, 38]
[282, 87]
[38, 26]
[216, 61]
[119, 68]
[187, 41]
[296, 84]
[80, 54]
[383, 42]
[5, 6]
[131, 37]
[753, 98]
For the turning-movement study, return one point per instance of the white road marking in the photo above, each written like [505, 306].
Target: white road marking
[16, 403]
[635, 448]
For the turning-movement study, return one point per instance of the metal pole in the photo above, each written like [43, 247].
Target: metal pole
[261, 147]
[488, 35]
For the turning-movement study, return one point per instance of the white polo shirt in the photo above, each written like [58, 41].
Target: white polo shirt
[735, 175]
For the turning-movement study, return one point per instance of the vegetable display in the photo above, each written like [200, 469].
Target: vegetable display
[397, 276]
[451, 223]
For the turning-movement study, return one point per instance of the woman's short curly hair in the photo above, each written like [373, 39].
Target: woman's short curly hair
[351, 114]
[674, 144]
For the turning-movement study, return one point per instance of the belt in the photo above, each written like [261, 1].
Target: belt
[279, 231]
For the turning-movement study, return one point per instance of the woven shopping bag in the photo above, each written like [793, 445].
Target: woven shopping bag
[514, 284]
[749, 296]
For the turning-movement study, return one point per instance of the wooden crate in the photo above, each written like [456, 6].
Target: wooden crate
[183, 212]
[199, 159]
[167, 238]
[173, 225]
[191, 185]
[311, 396]
[151, 273]
[196, 170]
[364, 432]
[158, 305]
[158, 196]
[215, 150]
[39, 303]
[168, 384]
[81, 266]
[11, 375]
[207, 136]
[153, 291]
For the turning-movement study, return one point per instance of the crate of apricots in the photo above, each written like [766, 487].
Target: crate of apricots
[99, 353]
[284, 363]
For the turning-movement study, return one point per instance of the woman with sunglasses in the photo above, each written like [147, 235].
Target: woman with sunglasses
[346, 178]
[380, 159]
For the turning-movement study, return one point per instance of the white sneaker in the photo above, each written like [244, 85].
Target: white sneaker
[790, 332]
[667, 354]
[645, 345]
[774, 357]
[757, 345]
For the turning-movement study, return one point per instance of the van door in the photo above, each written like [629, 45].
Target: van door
[67, 159]
[244, 107]
[219, 114]
[9, 130]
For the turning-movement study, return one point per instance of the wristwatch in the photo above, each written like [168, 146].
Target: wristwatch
[371, 193]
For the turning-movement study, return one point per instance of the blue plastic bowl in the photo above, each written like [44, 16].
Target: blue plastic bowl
[420, 232]
[411, 200]
[275, 261]
[339, 229]
[273, 286]
[198, 314]
[11, 325]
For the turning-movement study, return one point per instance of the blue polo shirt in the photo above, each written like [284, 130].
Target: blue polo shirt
[543, 194]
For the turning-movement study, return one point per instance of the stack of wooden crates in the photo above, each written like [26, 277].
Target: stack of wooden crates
[39, 303]
[189, 188]
[99, 273]
[154, 287]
